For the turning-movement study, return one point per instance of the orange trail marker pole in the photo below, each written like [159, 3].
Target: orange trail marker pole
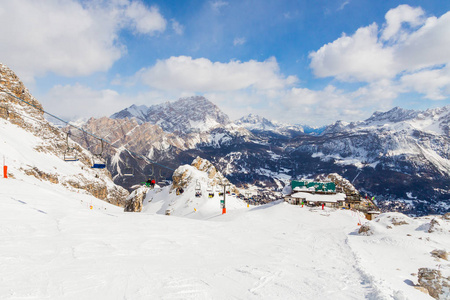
[5, 168]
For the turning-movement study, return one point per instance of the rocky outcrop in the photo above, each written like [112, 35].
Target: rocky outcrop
[434, 226]
[52, 141]
[135, 200]
[365, 229]
[438, 287]
[53, 178]
[183, 176]
[441, 254]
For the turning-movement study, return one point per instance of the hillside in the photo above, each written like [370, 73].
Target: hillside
[55, 246]
[32, 147]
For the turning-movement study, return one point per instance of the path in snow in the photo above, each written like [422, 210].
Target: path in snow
[54, 246]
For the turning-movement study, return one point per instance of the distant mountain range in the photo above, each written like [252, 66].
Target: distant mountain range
[400, 156]
[395, 155]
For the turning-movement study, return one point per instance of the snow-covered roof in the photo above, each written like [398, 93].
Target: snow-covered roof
[303, 188]
[320, 197]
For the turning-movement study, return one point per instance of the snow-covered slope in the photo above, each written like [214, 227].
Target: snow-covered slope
[57, 244]
[31, 147]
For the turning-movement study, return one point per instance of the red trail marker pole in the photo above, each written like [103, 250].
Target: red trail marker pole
[5, 168]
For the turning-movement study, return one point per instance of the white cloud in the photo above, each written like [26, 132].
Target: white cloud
[399, 15]
[142, 19]
[217, 5]
[177, 27]
[68, 38]
[426, 47]
[239, 41]
[407, 48]
[434, 84]
[360, 57]
[344, 4]
[72, 102]
[76, 101]
[183, 73]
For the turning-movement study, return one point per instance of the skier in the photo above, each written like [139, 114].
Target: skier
[150, 183]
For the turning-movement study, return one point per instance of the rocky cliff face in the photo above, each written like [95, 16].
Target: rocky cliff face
[187, 115]
[183, 176]
[52, 143]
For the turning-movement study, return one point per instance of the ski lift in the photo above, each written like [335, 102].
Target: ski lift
[97, 160]
[228, 191]
[70, 154]
[210, 191]
[162, 180]
[152, 173]
[128, 171]
[198, 189]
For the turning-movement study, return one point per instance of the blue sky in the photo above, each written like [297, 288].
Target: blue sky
[309, 62]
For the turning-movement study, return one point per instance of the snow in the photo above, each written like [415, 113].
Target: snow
[320, 197]
[54, 246]
[57, 243]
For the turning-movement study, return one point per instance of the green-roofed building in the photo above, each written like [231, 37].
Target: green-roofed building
[319, 187]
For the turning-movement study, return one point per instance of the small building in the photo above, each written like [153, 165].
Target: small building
[372, 214]
[316, 186]
[329, 200]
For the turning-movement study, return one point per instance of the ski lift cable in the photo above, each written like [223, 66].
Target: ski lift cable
[84, 131]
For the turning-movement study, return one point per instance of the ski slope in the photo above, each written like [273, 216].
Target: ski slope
[54, 246]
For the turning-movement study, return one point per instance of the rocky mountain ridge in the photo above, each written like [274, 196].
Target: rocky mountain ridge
[25, 130]
[264, 127]
[395, 155]
[186, 115]
[399, 154]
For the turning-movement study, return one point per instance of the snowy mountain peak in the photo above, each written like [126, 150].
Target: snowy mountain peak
[186, 115]
[394, 115]
[258, 124]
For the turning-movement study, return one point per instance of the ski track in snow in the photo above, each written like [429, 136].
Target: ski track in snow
[55, 247]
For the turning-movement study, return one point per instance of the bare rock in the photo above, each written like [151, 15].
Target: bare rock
[434, 226]
[438, 287]
[442, 254]
[365, 230]
[397, 222]
[136, 199]
[446, 216]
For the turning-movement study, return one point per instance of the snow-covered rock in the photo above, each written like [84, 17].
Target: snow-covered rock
[200, 184]
[31, 146]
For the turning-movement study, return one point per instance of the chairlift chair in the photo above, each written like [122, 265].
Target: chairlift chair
[162, 180]
[128, 171]
[70, 154]
[97, 160]
[198, 189]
